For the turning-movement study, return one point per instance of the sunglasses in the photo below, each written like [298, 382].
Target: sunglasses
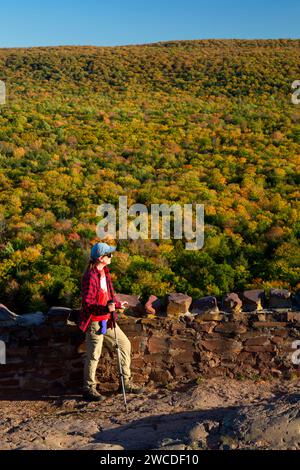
[109, 255]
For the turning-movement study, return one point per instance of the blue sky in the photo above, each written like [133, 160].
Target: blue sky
[109, 23]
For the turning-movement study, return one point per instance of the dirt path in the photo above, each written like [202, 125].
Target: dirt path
[216, 414]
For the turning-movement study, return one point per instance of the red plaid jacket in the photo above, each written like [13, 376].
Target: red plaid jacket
[91, 294]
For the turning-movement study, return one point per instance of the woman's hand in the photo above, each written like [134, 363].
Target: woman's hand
[111, 306]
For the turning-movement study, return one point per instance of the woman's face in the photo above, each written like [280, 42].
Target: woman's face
[106, 259]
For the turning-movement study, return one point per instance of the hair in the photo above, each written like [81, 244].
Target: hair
[91, 263]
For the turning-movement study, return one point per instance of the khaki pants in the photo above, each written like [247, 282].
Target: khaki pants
[94, 344]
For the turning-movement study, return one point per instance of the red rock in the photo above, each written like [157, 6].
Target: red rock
[292, 316]
[130, 325]
[180, 343]
[253, 299]
[58, 315]
[210, 316]
[280, 298]
[231, 327]
[282, 332]
[206, 327]
[265, 357]
[277, 339]
[157, 357]
[222, 345]
[138, 362]
[157, 344]
[269, 324]
[187, 356]
[149, 323]
[161, 376]
[135, 306]
[178, 304]
[7, 317]
[259, 348]
[206, 304]
[232, 302]
[182, 370]
[217, 372]
[138, 344]
[177, 328]
[246, 357]
[154, 306]
[258, 341]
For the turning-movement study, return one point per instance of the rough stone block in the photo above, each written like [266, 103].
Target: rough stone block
[7, 317]
[130, 325]
[232, 303]
[138, 344]
[269, 324]
[177, 328]
[222, 345]
[31, 319]
[58, 315]
[260, 348]
[178, 304]
[205, 305]
[296, 298]
[292, 316]
[156, 358]
[185, 356]
[280, 298]
[180, 343]
[205, 327]
[277, 339]
[246, 357]
[154, 306]
[161, 376]
[157, 344]
[231, 327]
[254, 299]
[258, 341]
[74, 316]
[210, 316]
[183, 370]
[135, 307]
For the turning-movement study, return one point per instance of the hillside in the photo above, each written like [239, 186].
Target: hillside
[207, 121]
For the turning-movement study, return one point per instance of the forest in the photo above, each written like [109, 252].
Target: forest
[201, 121]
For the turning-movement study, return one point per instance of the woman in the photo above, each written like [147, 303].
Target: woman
[95, 320]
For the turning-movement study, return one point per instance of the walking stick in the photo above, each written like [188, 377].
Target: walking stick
[119, 360]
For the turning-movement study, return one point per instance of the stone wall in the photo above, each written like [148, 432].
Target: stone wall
[48, 354]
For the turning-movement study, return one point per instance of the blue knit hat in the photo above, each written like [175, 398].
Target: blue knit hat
[101, 249]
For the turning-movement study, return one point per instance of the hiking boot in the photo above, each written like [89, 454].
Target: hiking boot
[91, 394]
[131, 387]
